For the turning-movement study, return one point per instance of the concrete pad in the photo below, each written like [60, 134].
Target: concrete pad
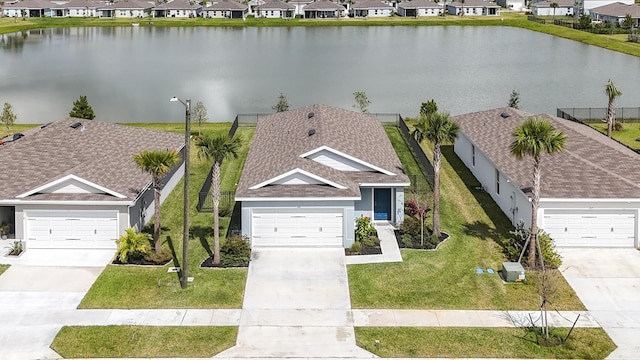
[388, 245]
[28, 342]
[458, 317]
[226, 317]
[296, 317]
[48, 278]
[627, 341]
[62, 257]
[39, 301]
[294, 278]
[198, 317]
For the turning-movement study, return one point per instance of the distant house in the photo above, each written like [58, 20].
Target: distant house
[81, 8]
[226, 9]
[28, 8]
[301, 5]
[616, 13]
[512, 5]
[544, 8]
[275, 9]
[473, 8]
[128, 9]
[371, 8]
[323, 9]
[417, 8]
[587, 5]
[177, 9]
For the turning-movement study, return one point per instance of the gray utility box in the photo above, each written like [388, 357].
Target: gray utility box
[512, 272]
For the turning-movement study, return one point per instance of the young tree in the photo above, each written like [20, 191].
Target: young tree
[156, 163]
[534, 138]
[428, 108]
[199, 114]
[282, 104]
[82, 109]
[8, 117]
[217, 148]
[362, 102]
[438, 129]
[514, 100]
[627, 23]
[554, 6]
[612, 93]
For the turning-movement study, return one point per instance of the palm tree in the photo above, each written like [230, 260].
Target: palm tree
[534, 138]
[612, 92]
[157, 163]
[438, 129]
[217, 148]
[554, 6]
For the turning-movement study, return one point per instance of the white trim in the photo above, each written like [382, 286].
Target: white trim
[346, 156]
[286, 199]
[385, 184]
[595, 200]
[298, 171]
[71, 177]
[58, 202]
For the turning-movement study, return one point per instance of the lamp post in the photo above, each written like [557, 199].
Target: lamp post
[185, 227]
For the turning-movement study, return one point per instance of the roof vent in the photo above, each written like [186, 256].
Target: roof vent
[310, 115]
[75, 125]
[17, 136]
[505, 115]
[311, 132]
[45, 125]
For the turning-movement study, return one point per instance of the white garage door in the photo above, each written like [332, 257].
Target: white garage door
[602, 228]
[296, 227]
[72, 229]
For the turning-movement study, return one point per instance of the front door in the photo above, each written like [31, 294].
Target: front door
[382, 204]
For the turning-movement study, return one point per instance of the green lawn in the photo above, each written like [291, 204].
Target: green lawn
[16, 128]
[143, 341]
[584, 343]
[630, 132]
[446, 278]
[153, 287]
[3, 268]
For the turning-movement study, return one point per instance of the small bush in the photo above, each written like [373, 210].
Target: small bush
[371, 241]
[407, 240]
[618, 126]
[133, 245]
[551, 257]
[235, 251]
[355, 248]
[513, 247]
[364, 228]
[410, 226]
[158, 258]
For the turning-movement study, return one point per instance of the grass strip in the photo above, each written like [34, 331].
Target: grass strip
[629, 134]
[407, 342]
[143, 341]
[3, 268]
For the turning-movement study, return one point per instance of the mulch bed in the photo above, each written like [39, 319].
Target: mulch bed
[208, 263]
[140, 261]
[415, 242]
[366, 250]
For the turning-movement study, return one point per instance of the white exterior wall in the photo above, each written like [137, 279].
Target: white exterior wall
[82, 13]
[379, 12]
[398, 195]
[215, 14]
[181, 13]
[272, 14]
[346, 206]
[547, 11]
[13, 13]
[131, 13]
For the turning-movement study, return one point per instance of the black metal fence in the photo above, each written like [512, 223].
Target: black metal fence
[417, 151]
[594, 115]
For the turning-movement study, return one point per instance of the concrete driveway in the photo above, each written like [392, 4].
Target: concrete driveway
[296, 304]
[608, 283]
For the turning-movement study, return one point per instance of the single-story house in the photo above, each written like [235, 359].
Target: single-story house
[177, 9]
[300, 5]
[80, 8]
[276, 9]
[512, 5]
[73, 183]
[371, 8]
[616, 13]
[587, 5]
[323, 9]
[590, 193]
[473, 8]
[226, 9]
[417, 8]
[126, 9]
[28, 8]
[544, 8]
[311, 172]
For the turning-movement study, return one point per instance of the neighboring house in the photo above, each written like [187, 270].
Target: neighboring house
[371, 8]
[178, 9]
[587, 5]
[473, 8]
[312, 171]
[73, 183]
[126, 9]
[512, 5]
[417, 8]
[28, 8]
[590, 193]
[300, 5]
[276, 9]
[323, 9]
[544, 8]
[81, 8]
[226, 9]
[616, 13]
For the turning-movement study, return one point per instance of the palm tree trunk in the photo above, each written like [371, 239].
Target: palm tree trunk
[156, 216]
[610, 117]
[537, 170]
[436, 189]
[215, 194]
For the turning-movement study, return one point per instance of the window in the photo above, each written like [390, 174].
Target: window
[473, 155]
[497, 182]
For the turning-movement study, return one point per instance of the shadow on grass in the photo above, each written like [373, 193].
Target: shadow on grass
[499, 219]
[480, 230]
[235, 227]
[201, 233]
[176, 263]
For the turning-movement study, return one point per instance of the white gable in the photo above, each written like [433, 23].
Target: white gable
[338, 162]
[71, 184]
[297, 179]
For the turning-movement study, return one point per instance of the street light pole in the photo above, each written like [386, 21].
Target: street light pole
[185, 226]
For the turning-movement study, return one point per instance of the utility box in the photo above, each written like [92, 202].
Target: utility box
[512, 272]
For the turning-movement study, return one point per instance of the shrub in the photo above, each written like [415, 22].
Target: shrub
[407, 240]
[158, 258]
[364, 228]
[410, 226]
[371, 241]
[617, 126]
[548, 247]
[235, 251]
[133, 245]
[355, 248]
[513, 247]
[411, 207]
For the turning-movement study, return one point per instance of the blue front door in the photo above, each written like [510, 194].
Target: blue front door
[382, 204]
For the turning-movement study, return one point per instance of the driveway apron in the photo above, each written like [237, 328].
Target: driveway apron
[607, 281]
[296, 304]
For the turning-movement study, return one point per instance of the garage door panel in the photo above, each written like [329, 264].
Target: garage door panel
[606, 228]
[297, 227]
[75, 230]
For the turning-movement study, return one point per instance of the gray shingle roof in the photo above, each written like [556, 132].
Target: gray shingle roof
[591, 166]
[100, 154]
[281, 138]
[475, 3]
[371, 4]
[419, 4]
[618, 9]
[324, 5]
[561, 3]
[179, 5]
[276, 5]
[227, 5]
